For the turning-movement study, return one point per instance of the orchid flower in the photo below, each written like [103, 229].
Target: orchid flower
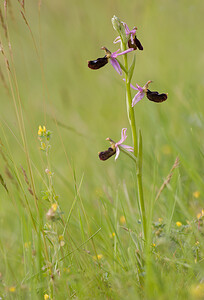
[133, 42]
[141, 93]
[129, 33]
[100, 62]
[115, 147]
[119, 145]
[144, 91]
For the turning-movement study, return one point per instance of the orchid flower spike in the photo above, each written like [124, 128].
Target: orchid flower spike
[152, 96]
[132, 40]
[100, 62]
[115, 147]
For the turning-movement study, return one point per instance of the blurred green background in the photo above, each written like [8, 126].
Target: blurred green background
[92, 103]
[57, 87]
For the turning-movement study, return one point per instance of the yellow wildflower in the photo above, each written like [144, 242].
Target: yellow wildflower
[52, 212]
[199, 215]
[197, 292]
[160, 220]
[46, 297]
[47, 171]
[112, 235]
[98, 257]
[179, 224]
[153, 245]
[196, 194]
[41, 130]
[197, 243]
[12, 289]
[54, 206]
[122, 220]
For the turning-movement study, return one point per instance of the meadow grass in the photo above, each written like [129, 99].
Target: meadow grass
[74, 230]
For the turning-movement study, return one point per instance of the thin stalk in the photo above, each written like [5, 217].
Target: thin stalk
[130, 111]
[137, 144]
[140, 186]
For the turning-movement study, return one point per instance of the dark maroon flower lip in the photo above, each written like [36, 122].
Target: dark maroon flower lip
[156, 97]
[136, 44]
[104, 155]
[98, 63]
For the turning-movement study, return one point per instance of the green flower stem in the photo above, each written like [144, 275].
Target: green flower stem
[130, 111]
[140, 187]
[137, 144]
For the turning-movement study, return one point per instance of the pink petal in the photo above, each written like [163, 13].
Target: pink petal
[128, 148]
[139, 88]
[133, 31]
[133, 87]
[117, 40]
[123, 137]
[115, 54]
[116, 65]
[127, 30]
[137, 98]
[121, 53]
[117, 152]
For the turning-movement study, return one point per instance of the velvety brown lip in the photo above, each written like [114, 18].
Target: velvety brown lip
[156, 97]
[98, 63]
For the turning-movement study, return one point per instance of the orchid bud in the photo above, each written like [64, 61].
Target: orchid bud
[116, 23]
